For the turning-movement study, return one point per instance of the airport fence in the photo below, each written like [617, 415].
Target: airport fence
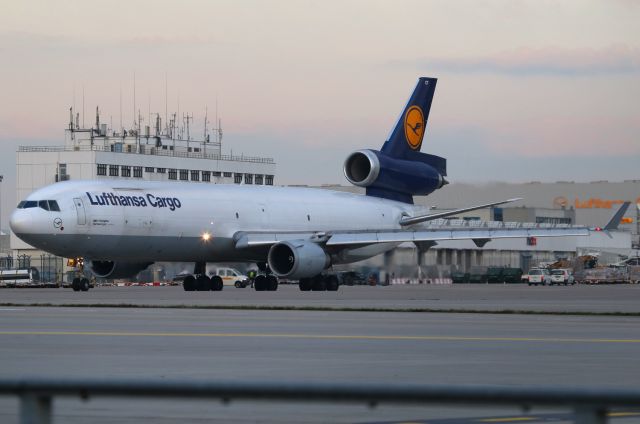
[589, 406]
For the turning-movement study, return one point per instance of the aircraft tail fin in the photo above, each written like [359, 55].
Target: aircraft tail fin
[409, 130]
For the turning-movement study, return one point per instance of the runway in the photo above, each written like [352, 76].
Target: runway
[315, 346]
[466, 297]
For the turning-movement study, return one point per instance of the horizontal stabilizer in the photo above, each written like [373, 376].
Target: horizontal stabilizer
[423, 218]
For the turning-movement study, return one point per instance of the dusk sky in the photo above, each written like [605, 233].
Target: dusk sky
[527, 90]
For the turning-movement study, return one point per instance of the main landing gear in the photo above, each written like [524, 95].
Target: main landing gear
[200, 282]
[80, 284]
[266, 281]
[319, 283]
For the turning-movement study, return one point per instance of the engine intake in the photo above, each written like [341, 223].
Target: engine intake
[110, 269]
[297, 259]
[362, 168]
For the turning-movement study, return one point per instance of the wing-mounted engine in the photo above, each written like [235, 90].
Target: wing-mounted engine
[395, 178]
[297, 259]
[110, 269]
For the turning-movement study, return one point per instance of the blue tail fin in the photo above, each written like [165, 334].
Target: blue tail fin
[408, 133]
[399, 170]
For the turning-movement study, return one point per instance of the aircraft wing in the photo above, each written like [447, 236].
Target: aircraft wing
[476, 235]
[482, 231]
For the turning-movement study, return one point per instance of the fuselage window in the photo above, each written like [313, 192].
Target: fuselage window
[53, 206]
[44, 204]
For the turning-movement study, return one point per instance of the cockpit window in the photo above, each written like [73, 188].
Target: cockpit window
[53, 206]
[47, 205]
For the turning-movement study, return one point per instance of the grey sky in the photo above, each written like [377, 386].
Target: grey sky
[527, 90]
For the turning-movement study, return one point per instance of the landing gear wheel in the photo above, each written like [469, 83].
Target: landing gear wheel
[84, 284]
[75, 284]
[189, 283]
[305, 284]
[216, 283]
[260, 283]
[331, 283]
[272, 283]
[318, 283]
[203, 283]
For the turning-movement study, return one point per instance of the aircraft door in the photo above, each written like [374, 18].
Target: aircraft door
[82, 216]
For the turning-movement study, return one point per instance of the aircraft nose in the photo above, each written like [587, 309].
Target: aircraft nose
[20, 222]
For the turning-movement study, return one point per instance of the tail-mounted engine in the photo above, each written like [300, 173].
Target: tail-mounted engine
[393, 178]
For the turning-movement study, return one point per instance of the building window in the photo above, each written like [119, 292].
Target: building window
[113, 170]
[161, 170]
[259, 179]
[237, 178]
[102, 169]
[195, 175]
[173, 174]
[248, 178]
[227, 174]
[268, 179]
[126, 171]
[184, 175]
[217, 173]
[137, 171]
[149, 169]
[206, 176]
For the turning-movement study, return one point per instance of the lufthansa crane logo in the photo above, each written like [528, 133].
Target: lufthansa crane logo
[414, 127]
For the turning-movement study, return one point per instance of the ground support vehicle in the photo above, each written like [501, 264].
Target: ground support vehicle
[562, 276]
[539, 276]
[512, 275]
[460, 277]
[609, 275]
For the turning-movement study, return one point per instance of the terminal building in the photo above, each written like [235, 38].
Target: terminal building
[159, 153]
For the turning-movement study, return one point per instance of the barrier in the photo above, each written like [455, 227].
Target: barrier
[590, 406]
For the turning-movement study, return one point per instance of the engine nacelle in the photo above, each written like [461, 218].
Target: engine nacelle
[420, 175]
[297, 259]
[110, 269]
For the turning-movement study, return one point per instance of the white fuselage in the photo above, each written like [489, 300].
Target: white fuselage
[174, 221]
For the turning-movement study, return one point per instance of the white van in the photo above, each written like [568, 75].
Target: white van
[230, 277]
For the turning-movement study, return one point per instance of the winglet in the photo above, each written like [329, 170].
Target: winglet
[617, 217]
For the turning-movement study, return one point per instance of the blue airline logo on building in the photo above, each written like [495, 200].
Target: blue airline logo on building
[111, 199]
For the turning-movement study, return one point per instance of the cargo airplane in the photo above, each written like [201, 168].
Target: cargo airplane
[121, 227]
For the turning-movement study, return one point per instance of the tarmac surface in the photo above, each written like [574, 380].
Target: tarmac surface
[319, 346]
[518, 297]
